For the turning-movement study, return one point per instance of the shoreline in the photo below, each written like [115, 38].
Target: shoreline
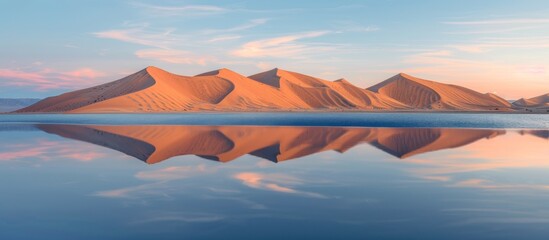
[334, 119]
[542, 111]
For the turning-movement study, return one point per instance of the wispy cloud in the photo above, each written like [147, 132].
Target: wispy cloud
[284, 46]
[363, 29]
[29, 77]
[173, 56]
[492, 30]
[82, 73]
[487, 44]
[251, 24]
[501, 21]
[171, 47]
[223, 38]
[351, 26]
[46, 78]
[186, 10]
[142, 36]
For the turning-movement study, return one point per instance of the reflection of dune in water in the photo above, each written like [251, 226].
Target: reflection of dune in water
[407, 142]
[154, 144]
[537, 133]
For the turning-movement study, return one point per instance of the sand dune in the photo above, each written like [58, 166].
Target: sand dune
[154, 144]
[91, 96]
[155, 90]
[541, 101]
[425, 94]
[218, 90]
[317, 93]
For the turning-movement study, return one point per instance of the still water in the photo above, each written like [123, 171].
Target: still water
[101, 181]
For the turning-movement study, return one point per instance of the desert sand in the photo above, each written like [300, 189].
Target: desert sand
[155, 90]
[541, 101]
[425, 94]
[154, 144]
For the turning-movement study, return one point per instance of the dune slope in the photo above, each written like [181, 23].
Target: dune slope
[82, 98]
[425, 94]
[155, 90]
[541, 101]
[318, 93]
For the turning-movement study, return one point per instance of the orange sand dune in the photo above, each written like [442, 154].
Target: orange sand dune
[425, 94]
[154, 144]
[541, 101]
[155, 90]
[86, 97]
[317, 93]
[219, 90]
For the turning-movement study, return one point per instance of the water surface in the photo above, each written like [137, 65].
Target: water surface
[145, 181]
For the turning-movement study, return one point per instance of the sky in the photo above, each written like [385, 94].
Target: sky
[50, 47]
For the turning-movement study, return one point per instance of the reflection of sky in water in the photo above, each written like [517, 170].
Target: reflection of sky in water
[490, 188]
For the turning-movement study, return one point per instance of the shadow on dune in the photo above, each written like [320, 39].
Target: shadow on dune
[154, 144]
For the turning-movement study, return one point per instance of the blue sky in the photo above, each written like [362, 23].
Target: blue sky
[49, 47]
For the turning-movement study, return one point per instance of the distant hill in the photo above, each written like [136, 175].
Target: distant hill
[155, 90]
[539, 103]
[12, 104]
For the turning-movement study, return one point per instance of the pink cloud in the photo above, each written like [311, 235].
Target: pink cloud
[84, 73]
[8, 73]
[173, 56]
[46, 78]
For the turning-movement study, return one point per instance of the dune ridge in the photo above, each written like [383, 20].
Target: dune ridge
[541, 101]
[154, 144]
[425, 94]
[155, 90]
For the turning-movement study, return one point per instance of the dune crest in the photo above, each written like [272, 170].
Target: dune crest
[425, 94]
[86, 97]
[155, 90]
[541, 101]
